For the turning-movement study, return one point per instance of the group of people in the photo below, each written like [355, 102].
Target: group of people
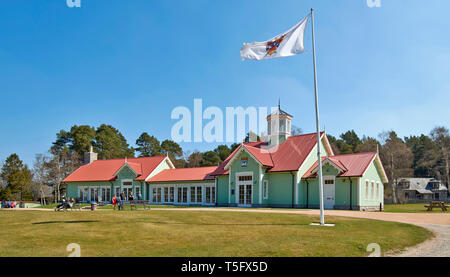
[119, 199]
[9, 204]
[65, 204]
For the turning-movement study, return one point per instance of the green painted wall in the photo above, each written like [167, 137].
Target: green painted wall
[252, 166]
[371, 174]
[280, 188]
[222, 190]
[310, 160]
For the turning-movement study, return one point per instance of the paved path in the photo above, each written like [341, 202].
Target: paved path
[438, 223]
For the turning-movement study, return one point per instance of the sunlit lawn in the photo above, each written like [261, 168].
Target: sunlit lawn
[195, 233]
[411, 208]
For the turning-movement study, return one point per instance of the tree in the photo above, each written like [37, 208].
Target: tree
[368, 144]
[17, 177]
[148, 146]
[111, 144]
[397, 159]
[351, 138]
[234, 146]
[59, 166]
[195, 159]
[425, 155]
[81, 138]
[441, 138]
[40, 176]
[171, 148]
[339, 146]
[210, 158]
[223, 151]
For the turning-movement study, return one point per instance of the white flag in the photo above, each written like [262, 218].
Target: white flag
[287, 44]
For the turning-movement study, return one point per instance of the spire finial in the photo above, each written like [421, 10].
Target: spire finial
[279, 103]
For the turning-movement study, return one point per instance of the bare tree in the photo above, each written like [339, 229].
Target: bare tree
[40, 176]
[397, 159]
[441, 137]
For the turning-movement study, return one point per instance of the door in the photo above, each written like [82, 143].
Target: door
[245, 195]
[328, 193]
[244, 183]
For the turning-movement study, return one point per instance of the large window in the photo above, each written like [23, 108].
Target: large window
[106, 194]
[83, 192]
[196, 194]
[245, 178]
[367, 190]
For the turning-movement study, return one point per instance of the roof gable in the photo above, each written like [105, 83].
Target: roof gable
[105, 170]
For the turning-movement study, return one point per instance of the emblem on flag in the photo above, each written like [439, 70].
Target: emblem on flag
[272, 46]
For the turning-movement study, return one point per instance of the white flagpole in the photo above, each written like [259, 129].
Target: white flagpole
[322, 217]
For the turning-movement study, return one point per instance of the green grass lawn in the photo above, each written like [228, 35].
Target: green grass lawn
[196, 234]
[410, 208]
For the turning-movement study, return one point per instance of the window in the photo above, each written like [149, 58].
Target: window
[436, 196]
[266, 189]
[136, 191]
[199, 194]
[367, 190]
[158, 197]
[192, 194]
[83, 191]
[406, 195]
[172, 196]
[245, 178]
[179, 195]
[117, 191]
[208, 195]
[372, 191]
[378, 191]
[329, 182]
[166, 195]
[154, 195]
[213, 195]
[106, 194]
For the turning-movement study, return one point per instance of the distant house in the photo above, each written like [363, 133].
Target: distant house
[421, 190]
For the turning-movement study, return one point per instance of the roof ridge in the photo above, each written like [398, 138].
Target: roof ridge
[116, 159]
[348, 154]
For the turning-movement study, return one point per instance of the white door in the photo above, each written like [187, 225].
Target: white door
[244, 186]
[328, 193]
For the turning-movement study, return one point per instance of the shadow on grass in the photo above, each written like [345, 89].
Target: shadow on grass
[75, 221]
[228, 224]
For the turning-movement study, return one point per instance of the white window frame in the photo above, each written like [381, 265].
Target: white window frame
[367, 190]
[378, 190]
[266, 189]
[372, 190]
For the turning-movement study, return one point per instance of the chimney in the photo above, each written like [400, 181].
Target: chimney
[90, 156]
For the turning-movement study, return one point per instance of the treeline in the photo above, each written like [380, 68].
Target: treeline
[418, 156]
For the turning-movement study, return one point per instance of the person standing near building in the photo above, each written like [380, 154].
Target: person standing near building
[114, 202]
[123, 197]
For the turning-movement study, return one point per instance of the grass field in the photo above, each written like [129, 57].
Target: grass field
[196, 234]
[410, 208]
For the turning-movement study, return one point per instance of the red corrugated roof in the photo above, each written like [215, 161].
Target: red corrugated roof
[291, 154]
[355, 164]
[103, 170]
[287, 156]
[262, 155]
[184, 174]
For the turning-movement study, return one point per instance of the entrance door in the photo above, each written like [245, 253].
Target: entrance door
[328, 193]
[245, 183]
[245, 195]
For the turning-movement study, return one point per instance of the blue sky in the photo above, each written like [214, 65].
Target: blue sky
[129, 63]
